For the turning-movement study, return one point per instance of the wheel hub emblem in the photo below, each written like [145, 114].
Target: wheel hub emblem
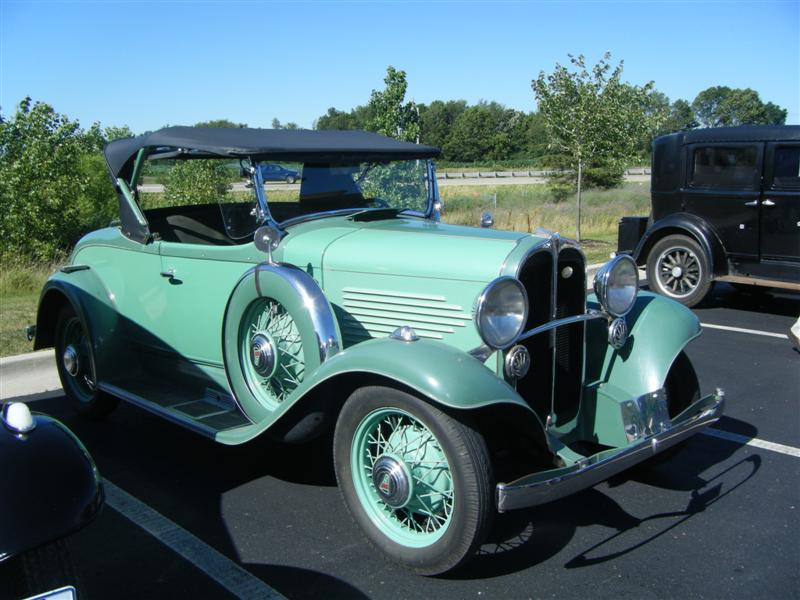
[392, 481]
[262, 355]
[677, 271]
[70, 360]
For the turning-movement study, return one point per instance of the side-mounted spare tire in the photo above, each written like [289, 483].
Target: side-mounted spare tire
[278, 327]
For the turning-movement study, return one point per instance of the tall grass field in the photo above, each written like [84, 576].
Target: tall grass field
[514, 207]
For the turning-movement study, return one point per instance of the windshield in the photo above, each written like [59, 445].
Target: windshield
[299, 190]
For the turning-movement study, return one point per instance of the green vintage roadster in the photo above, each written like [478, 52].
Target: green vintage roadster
[463, 371]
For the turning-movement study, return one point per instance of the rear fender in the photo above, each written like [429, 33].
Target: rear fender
[81, 288]
[689, 225]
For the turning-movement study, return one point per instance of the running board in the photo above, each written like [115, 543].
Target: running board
[773, 283]
[207, 412]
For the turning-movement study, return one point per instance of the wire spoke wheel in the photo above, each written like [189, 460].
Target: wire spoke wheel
[402, 477]
[271, 351]
[418, 481]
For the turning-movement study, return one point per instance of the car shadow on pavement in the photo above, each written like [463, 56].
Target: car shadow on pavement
[525, 538]
[753, 299]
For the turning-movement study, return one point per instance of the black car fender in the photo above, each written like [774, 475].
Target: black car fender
[684, 224]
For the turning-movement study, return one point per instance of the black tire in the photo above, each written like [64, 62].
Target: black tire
[79, 386]
[290, 179]
[472, 507]
[682, 389]
[677, 267]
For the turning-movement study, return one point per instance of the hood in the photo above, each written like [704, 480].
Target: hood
[422, 249]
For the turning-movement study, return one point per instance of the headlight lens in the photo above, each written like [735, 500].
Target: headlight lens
[501, 312]
[616, 285]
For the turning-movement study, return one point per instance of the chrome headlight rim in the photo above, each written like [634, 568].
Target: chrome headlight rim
[602, 279]
[481, 305]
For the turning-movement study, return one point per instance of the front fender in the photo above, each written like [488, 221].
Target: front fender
[660, 329]
[441, 373]
[436, 370]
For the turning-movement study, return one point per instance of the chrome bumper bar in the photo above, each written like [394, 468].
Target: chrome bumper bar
[553, 484]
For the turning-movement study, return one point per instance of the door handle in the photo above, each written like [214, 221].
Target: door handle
[767, 203]
[751, 203]
[169, 273]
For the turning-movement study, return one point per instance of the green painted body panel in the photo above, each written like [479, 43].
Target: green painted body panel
[659, 330]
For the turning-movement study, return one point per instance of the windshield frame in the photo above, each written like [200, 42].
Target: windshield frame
[432, 208]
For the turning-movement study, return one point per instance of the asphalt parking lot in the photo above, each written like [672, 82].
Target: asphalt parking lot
[721, 520]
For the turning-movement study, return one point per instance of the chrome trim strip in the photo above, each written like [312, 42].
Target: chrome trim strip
[588, 316]
[539, 488]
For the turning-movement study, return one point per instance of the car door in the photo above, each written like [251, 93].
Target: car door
[723, 187]
[780, 206]
[198, 280]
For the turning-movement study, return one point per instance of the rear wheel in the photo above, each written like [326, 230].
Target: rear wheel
[76, 366]
[677, 267]
[290, 179]
[416, 480]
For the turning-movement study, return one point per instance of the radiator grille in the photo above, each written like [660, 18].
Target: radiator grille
[554, 382]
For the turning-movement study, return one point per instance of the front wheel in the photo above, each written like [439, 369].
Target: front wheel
[290, 179]
[416, 480]
[677, 267]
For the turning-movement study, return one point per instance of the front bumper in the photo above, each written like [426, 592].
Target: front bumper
[546, 486]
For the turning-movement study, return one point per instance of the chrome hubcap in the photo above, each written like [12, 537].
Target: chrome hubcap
[392, 481]
[262, 355]
[70, 360]
[679, 271]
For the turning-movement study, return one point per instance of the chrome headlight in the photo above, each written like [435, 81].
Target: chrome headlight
[616, 285]
[501, 312]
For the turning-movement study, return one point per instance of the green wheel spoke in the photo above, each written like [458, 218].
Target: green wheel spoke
[393, 435]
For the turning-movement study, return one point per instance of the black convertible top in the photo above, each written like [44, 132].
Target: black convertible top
[263, 144]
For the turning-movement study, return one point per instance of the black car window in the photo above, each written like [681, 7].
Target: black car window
[725, 167]
[786, 168]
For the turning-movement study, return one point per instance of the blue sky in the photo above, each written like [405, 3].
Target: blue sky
[150, 63]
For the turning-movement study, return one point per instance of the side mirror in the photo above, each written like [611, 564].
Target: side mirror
[487, 220]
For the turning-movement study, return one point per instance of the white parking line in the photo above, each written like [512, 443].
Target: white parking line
[742, 330]
[755, 442]
[220, 568]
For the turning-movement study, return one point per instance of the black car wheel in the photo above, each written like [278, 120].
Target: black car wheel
[416, 480]
[76, 367]
[677, 267]
[290, 179]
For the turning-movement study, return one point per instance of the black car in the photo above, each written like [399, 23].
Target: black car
[725, 206]
[50, 489]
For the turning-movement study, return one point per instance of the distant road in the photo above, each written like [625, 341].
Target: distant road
[240, 187]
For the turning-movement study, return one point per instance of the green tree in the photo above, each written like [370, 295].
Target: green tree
[52, 177]
[437, 119]
[592, 115]
[117, 133]
[721, 106]
[390, 114]
[220, 123]
[196, 182]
